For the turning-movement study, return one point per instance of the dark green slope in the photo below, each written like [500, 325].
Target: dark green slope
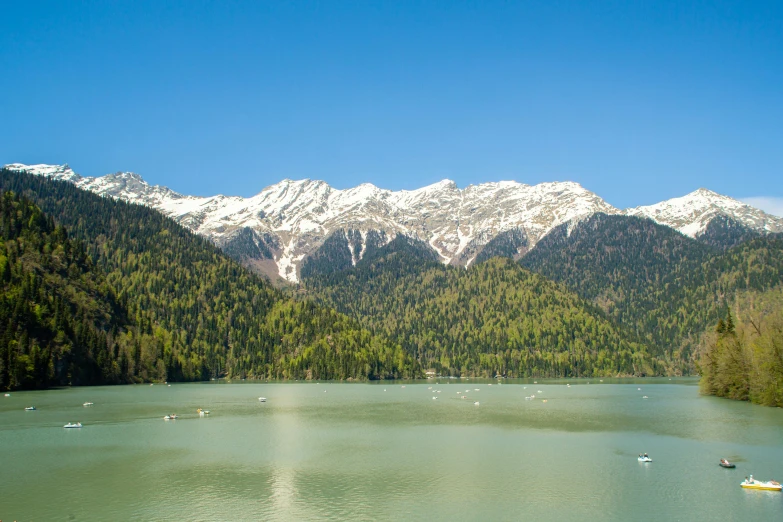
[612, 260]
[58, 315]
[663, 285]
[696, 299]
[495, 317]
[199, 313]
[400, 257]
[340, 250]
[511, 243]
[723, 232]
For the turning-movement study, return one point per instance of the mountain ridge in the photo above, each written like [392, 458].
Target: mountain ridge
[289, 221]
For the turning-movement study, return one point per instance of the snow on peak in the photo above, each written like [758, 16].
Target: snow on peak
[297, 215]
[691, 213]
[63, 172]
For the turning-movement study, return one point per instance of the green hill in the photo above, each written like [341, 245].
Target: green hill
[494, 318]
[197, 313]
[665, 286]
[58, 315]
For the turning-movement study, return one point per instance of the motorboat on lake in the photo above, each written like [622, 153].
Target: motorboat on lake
[173, 416]
[726, 464]
[644, 458]
[87, 404]
[72, 425]
[263, 399]
[30, 408]
[770, 485]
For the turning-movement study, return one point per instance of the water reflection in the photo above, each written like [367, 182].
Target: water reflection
[361, 453]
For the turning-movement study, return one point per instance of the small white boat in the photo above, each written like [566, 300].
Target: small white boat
[87, 404]
[7, 394]
[476, 403]
[263, 399]
[644, 458]
[645, 397]
[770, 485]
[173, 416]
[30, 408]
[434, 398]
[72, 425]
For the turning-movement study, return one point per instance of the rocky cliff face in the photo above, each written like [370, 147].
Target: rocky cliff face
[284, 223]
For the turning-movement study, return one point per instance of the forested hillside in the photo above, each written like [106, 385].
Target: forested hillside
[493, 318]
[742, 358]
[196, 313]
[667, 287]
[340, 250]
[724, 232]
[101, 291]
[58, 315]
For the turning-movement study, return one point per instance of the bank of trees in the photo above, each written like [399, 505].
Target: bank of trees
[743, 358]
[58, 314]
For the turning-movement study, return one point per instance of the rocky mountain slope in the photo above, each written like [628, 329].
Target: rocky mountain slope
[279, 227]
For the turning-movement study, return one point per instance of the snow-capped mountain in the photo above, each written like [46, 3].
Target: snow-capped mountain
[281, 225]
[690, 214]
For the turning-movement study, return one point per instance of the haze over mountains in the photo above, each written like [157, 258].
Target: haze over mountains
[278, 228]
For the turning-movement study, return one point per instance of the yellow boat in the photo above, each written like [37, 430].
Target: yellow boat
[751, 483]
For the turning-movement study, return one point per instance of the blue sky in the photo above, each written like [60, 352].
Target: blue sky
[637, 101]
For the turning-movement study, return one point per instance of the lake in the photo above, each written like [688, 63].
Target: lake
[388, 451]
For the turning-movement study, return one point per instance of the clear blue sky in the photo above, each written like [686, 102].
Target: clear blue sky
[637, 101]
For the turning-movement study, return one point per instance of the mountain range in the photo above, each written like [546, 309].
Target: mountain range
[283, 227]
[144, 298]
[94, 290]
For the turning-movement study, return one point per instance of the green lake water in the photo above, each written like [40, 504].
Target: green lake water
[388, 451]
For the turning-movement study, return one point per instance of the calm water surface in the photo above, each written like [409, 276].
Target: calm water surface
[387, 451]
